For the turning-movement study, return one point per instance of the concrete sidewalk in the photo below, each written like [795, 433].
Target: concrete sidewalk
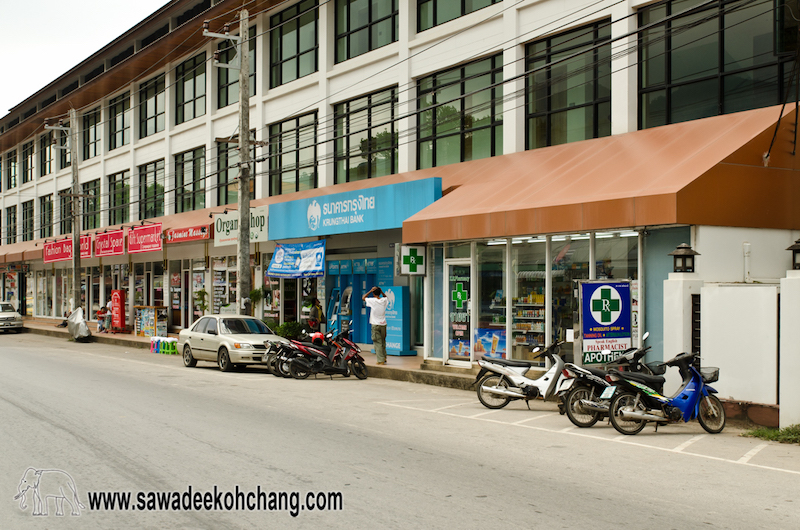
[406, 368]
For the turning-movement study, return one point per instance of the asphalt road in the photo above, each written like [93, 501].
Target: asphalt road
[402, 455]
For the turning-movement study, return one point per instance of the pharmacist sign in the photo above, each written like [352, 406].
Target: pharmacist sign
[605, 320]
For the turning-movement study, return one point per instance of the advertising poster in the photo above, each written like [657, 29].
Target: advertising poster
[490, 342]
[605, 320]
[301, 260]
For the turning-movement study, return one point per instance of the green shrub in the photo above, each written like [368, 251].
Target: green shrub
[289, 330]
[788, 435]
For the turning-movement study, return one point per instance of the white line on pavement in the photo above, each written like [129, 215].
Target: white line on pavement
[689, 442]
[751, 453]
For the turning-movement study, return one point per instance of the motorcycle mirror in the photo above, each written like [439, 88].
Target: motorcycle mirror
[536, 349]
[644, 337]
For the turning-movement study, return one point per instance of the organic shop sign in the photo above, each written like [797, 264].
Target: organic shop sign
[144, 238]
[62, 250]
[109, 243]
[226, 226]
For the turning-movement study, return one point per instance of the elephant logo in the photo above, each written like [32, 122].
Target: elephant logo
[314, 214]
[46, 484]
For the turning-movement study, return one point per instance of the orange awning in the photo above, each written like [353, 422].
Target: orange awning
[702, 172]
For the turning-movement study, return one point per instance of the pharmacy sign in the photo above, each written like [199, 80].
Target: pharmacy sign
[605, 320]
[412, 260]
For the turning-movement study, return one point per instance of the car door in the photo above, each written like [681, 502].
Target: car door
[211, 339]
[197, 339]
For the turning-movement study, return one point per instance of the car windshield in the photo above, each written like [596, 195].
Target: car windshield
[6, 308]
[243, 326]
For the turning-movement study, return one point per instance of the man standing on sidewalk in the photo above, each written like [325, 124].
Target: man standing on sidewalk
[377, 319]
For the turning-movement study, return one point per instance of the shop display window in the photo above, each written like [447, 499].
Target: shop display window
[527, 298]
[490, 330]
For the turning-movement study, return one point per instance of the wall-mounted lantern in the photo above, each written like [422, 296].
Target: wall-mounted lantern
[795, 255]
[683, 258]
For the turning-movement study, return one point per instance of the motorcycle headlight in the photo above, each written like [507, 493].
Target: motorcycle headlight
[242, 346]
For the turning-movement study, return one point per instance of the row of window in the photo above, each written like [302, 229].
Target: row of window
[690, 67]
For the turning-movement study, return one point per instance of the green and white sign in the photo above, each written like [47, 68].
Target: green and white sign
[412, 260]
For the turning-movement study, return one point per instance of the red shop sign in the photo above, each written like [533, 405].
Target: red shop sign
[144, 238]
[109, 243]
[192, 233]
[118, 309]
[86, 247]
[62, 250]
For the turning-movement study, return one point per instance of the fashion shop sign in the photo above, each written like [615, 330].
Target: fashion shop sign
[145, 238]
[62, 250]
[377, 208]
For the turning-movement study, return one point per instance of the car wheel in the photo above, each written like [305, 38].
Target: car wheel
[224, 360]
[188, 359]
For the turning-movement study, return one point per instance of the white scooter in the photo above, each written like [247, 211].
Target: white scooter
[501, 381]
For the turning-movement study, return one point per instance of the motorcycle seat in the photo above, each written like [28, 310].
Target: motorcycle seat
[595, 371]
[507, 362]
[650, 380]
[325, 348]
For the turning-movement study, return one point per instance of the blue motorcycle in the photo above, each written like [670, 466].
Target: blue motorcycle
[635, 402]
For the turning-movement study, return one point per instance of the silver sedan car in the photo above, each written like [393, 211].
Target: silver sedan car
[10, 318]
[228, 340]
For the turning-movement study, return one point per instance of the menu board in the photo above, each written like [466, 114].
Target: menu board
[219, 291]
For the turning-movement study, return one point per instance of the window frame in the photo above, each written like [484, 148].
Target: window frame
[65, 211]
[91, 133]
[91, 204]
[119, 193]
[228, 78]
[434, 5]
[193, 199]
[192, 70]
[347, 35]
[11, 224]
[152, 174]
[152, 106]
[278, 33]
[27, 162]
[277, 153]
[46, 216]
[46, 158]
[11, 170]
[28, 214]
[119, 121]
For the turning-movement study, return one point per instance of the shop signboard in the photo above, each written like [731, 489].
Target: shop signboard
[372, 266]
[118, 309]
[605, 320]
[359, 266]
[109, 243]
[226, 226]
[192, 233]
[145, 238]
[398, 334]
[378, 208]
[333, 268]
[300, 260]
[62, 250]
[412, 260]
[345, 267]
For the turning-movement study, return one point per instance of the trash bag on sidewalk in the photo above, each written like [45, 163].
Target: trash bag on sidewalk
[77, 327]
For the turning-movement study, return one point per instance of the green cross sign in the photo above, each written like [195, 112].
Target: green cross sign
[459, 296]
[412, 260]
[605, 305]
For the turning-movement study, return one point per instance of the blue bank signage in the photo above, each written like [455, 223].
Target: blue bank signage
[303, 260]
[605, 320]
[378, 208]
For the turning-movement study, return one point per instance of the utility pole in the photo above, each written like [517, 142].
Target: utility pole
[241, 61]
[72, 146]
[243, 243]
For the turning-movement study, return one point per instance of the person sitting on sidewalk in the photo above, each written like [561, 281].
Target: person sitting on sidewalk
[101, 317]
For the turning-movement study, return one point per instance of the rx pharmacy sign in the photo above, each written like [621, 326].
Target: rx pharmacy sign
[605, 320]
[412, 260]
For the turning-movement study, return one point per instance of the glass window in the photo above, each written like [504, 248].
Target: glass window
[11, 169]
[152, 106]
[228, 78]
[91, 134]
[46, 216]
[119, 121]
[228, 173]
[27, 220]
[11, 225]
[293, 155]
[91, 204]
[190, 89]
[717, 61]
[190, 180]
[151, 190]
[570, 100]
[65, 211]
[461, 114]
[490, 332]
[364, 25]
[27, 162]
[431, 13]
[46, 154]
[119, 192]
[293, 43]
[64, 154]
[365, 137]
[527, 297]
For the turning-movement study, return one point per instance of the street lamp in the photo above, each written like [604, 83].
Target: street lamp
[795, 255]
[683, 258]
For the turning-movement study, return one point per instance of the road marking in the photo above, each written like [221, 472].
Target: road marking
[452, 406]
[534, 418]
[751, 453]
[689, 442]
[567, 429]
[476, 415]
[621, 439]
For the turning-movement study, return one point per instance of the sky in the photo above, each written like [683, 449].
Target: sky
[43, 43]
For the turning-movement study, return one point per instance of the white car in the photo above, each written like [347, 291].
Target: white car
[10, 318]
[228, 340]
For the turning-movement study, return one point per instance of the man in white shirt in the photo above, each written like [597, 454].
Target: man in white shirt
[377, 319]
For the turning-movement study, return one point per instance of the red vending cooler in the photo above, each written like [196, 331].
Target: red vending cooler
[117, 311]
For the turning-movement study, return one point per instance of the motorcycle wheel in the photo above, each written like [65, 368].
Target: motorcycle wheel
[272, 365]
[623, 426]
[711, 414]
[575, 411]
[282, 366]
[298, 372]
[358, 367]
[488, 399]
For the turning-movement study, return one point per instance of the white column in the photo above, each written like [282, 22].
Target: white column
[513, 111]
[548, 292]
[789, 394]
[624, 90]
[678, 291]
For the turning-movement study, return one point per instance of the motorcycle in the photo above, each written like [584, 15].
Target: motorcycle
[339, 356]
[636, 402]
[500, 381]
[581, 387]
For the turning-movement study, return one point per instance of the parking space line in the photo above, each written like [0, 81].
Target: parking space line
[475, 415]
[751, 453]
[452, 406]
[689, 442]
[533, 418]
